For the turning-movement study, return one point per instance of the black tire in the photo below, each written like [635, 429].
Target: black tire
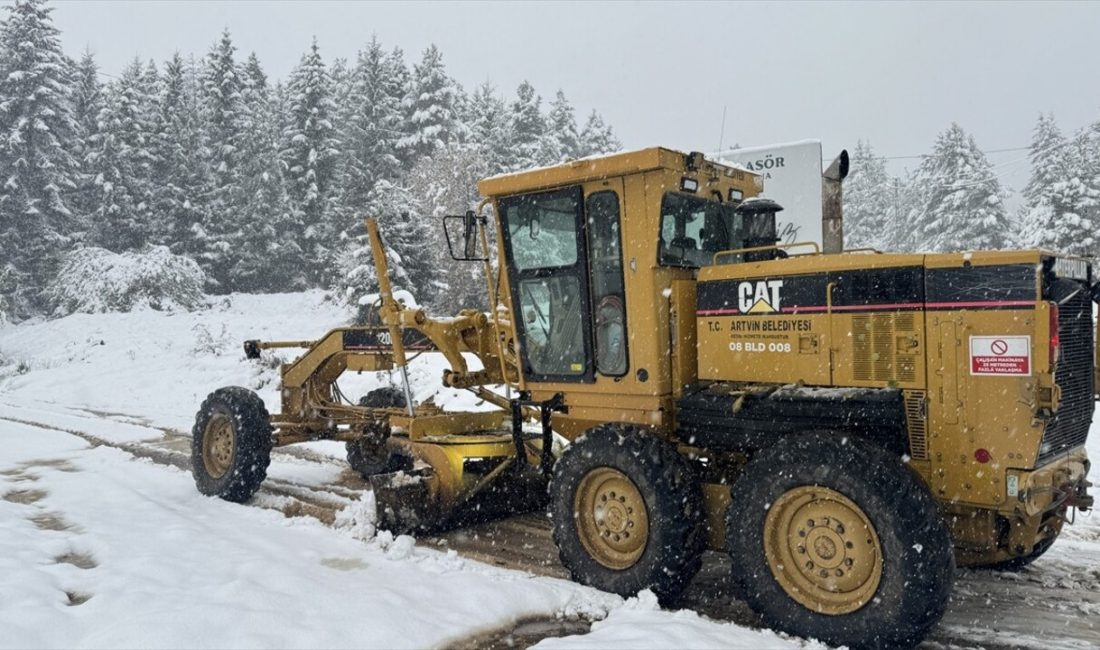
[246, 464]
[917, 556]
[673, 502]
[385, 397]
[372, 459]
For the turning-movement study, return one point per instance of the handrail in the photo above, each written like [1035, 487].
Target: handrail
[734, 251]
[865, 249]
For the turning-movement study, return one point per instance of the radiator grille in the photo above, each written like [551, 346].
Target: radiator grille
[1069, 427]
[876, 357]
[917, 421]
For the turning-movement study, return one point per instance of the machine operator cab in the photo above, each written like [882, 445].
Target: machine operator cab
[696, 232]
[586, 251]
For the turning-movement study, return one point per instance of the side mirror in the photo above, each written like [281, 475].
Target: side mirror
[471, 236]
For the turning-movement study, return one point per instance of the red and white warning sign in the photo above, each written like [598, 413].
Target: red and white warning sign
[1000, 355]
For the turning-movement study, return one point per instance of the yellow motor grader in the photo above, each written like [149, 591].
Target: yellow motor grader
[847, 425]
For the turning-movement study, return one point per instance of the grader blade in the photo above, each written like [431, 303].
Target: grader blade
[460, 483]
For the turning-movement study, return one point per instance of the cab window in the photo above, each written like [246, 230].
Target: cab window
[694, 229]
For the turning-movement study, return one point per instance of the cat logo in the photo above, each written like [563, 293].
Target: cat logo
[759, 297]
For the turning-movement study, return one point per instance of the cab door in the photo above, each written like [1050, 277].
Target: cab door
[546, 246]
[603, 208]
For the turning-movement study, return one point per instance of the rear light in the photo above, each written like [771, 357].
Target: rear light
[1055, 342]
[982, 456]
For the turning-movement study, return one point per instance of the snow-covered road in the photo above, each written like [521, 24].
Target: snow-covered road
[104, 541]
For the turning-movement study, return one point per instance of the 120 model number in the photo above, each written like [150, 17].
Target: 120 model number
[738, 346]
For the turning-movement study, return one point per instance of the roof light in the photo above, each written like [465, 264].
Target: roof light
[689, 184]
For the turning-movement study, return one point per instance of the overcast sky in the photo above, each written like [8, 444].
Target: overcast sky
[661, 73]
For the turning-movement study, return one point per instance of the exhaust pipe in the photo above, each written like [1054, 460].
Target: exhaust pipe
[832, 210]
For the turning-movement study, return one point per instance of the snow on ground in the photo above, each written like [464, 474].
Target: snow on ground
[99, 548]
[102, 551]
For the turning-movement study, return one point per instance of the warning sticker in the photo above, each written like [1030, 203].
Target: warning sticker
[1000, 355]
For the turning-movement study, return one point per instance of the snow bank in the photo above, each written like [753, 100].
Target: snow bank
[158, 365]
[95, 280]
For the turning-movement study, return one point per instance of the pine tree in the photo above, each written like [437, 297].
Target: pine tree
[562, 124]
[870, 200]
[268, 255]
[597, 138]
[37, 166]
[527, 130]
[123, 163]
[489, 128]
[1048, 166]
[1070, 223]
[961, 203]
[369, 134]
[446, 183]
[430, 108]
[309, 154]
[181, 175]
[224, 118]
[403, 234]
[87, 101]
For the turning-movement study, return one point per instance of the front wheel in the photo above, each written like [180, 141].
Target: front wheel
[231, 444]
[835, 539]
[627, 511]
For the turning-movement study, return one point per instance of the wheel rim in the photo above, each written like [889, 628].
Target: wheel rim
[219, 441]
[612, 521]
[823, 550]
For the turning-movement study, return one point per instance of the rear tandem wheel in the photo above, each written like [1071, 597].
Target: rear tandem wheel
[835, 539]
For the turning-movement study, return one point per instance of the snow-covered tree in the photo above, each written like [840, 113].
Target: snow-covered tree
[527, 130]
[181, 175]
[87, 99]
[1069, 224]
[224, 118]
[489, 126]
[87, 102]
[1062, 213]
[37, 166]
[268, 256]
[960, 200]
[404, 233]
[123, 162]
[1048, 166]
[431, 118]
[446, 183]
[597, 137]
[562, 127]
[369, 133]
[870, 200]
[309, 154]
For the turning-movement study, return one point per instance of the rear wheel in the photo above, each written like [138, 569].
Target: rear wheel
[231, 444]
[838, 540]
[627, 512]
